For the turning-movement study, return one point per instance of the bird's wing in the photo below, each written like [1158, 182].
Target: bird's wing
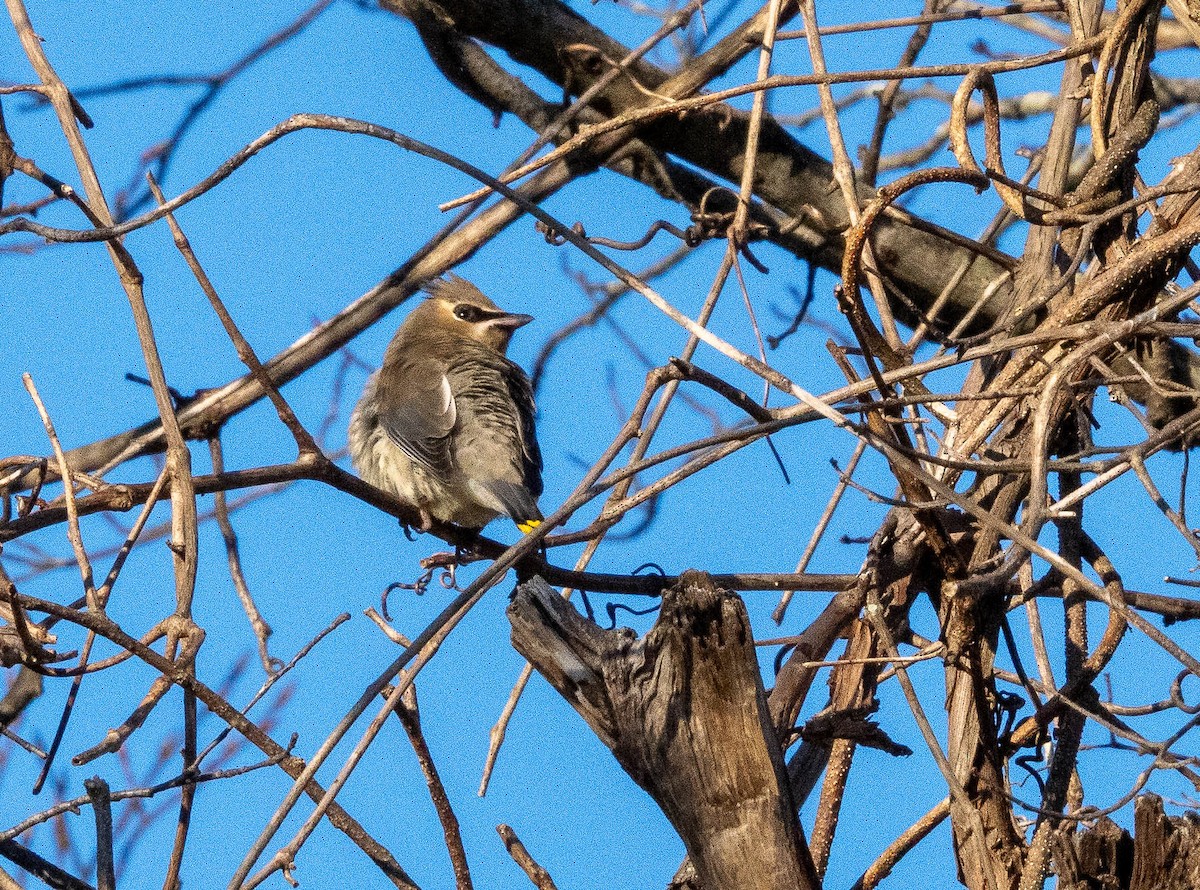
[520, 498]
[531, 455]
[418, 412]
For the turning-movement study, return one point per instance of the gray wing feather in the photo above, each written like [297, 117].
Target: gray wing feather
[418, 412]
[496, 446]
[531, 455]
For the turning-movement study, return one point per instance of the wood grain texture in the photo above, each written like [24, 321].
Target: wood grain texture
[684, 711]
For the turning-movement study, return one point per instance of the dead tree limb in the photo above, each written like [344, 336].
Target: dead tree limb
[1163, 853]
[684, 712]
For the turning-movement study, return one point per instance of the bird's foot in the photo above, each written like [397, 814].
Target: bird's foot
[424, 524]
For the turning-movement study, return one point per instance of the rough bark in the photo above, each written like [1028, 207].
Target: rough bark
[918, 260]
[1162, 854]
[684, 711]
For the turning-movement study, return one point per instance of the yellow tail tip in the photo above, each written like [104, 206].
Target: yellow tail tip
[528, 525]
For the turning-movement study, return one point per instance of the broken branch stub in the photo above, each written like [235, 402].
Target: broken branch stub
[684, 711]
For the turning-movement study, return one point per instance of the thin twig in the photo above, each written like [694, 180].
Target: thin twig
[262, 630]
[537, 875]
[73, 533]
[101, 798]
[896, 850]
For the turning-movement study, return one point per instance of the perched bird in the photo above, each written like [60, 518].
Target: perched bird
[447, 424]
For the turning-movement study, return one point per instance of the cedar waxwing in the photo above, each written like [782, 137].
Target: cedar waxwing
[447, 423]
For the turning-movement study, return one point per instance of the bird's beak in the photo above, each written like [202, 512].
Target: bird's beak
[510, 321]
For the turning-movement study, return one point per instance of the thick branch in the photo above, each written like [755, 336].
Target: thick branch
[684, 712]
[919, 261]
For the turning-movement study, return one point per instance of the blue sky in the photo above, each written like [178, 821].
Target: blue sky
[289, 240]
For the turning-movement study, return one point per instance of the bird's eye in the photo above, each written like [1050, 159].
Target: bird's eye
[467, 312]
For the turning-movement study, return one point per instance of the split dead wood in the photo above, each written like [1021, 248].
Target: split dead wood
[684, 711]
[1163, 853]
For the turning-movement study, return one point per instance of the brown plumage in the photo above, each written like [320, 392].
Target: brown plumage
[447, 424]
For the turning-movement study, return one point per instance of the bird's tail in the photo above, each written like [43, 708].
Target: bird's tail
[518, 503]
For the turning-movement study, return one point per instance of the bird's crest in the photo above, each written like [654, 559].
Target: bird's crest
[454, 289]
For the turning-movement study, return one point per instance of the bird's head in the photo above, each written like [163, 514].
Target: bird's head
[457, 308]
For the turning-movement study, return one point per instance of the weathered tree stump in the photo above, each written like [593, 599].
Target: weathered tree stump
[684, 712]
[1163, 854]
